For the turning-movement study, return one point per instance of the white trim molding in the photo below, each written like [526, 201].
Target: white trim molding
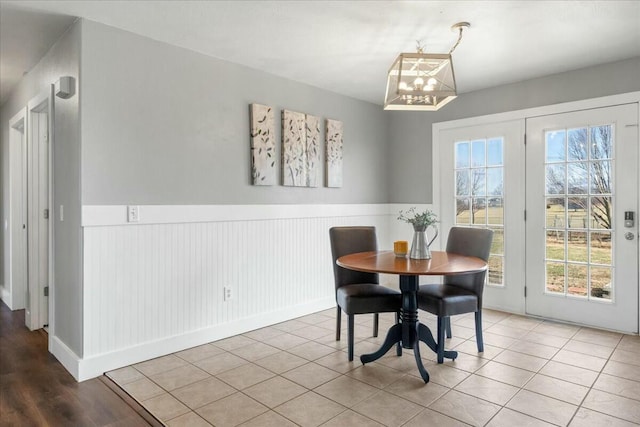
[66, 357]
[97, 215]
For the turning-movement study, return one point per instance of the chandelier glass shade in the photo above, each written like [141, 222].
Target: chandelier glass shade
[422, 81]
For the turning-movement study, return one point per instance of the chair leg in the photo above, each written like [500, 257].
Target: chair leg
[479, 340]
[440, 343]
[448, 324]
[375, 324]
[338, 323]
[350, 331]
[398, 344]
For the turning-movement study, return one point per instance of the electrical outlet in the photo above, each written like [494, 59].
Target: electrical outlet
[133, 213]
[227, 293]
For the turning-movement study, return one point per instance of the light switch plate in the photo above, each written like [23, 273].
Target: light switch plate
[133, 213]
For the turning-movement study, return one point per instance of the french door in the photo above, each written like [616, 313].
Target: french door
[481, 185]
[557, 208]
[582, 177]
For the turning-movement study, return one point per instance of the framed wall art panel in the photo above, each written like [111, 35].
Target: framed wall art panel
[263, 145]
[333, 138]
[294, 149]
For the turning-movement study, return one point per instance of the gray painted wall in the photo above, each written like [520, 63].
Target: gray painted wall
[63, 59]
[165, 125]
[410, 132]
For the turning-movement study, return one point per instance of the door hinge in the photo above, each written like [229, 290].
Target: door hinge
[525, 139]
[46, 214]
[46, 291]
[525, 291]
[525, 214]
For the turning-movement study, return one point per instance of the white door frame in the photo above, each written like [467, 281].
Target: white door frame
[606, 101]
[15, 257]
[39, 314]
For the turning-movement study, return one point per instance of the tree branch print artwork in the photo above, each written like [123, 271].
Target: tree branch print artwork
[294, 149]
[263, 156]
[313, 150]
[333, 139]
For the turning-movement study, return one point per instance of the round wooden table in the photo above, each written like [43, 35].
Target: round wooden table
[409, 332]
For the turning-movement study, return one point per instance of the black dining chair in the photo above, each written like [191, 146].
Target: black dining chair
[459, 294]
[358, 292]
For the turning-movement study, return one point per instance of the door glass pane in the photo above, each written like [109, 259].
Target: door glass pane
[601, 177]
[577, 246]
[463, 211]
[494, 152]
[579, 212]
[601, 212]
[577, 174]
[479, 212]
[478, 182]
[556, 212]
[601, 248]
[600, 279]
[497, 245]
[495, 211]
[496, 270]
[577, 280]
[480, 194]
[496, 259]
[555, 175]
[555, 277]
[555, 145]
[601, 145]
[555, 245]
[577, 144]
[462, 154]
[462, 182]
[477, 153]
[495, 184]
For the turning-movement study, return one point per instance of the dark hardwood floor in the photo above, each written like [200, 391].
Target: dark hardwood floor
[36, 390]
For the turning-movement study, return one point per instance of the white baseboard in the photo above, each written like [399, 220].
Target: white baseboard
[504, 309]
[97, 365]
[5, 296]
[65, 355]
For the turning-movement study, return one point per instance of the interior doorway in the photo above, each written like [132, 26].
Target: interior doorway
[39, 130]
[14, 290]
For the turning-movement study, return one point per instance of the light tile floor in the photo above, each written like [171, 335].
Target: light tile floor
[532, 373]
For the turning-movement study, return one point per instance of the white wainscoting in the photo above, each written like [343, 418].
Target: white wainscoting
[156, 286]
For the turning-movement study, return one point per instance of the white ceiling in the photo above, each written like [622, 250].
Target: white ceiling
[348, 46]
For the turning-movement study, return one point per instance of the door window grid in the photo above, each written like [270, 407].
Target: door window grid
[579, 212]
[479, 195]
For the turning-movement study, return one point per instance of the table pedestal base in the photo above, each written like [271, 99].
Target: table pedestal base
[410, 331]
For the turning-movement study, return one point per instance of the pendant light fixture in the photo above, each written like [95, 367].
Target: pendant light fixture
[422, 81]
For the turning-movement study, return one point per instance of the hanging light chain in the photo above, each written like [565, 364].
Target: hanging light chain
[459, 26]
